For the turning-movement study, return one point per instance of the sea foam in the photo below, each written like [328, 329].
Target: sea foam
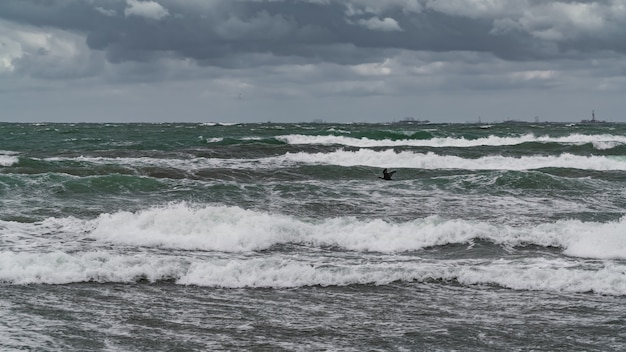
[604, 141]
[8, 158]
[228, 229]
[430, 160]
[61, 268]
[233, 229]
[221, 246]
[530, 274]
[275, 271]
[376, 158]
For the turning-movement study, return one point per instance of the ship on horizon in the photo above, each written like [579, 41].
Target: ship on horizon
[593, 119]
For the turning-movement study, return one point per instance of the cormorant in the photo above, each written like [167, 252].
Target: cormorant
[387, 175]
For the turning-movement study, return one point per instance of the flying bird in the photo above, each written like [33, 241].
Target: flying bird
[387, 175]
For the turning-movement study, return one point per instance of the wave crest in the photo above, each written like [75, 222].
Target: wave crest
[233, 229]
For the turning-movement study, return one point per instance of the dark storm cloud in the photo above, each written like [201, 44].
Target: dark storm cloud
[346, 32]
[243, 58]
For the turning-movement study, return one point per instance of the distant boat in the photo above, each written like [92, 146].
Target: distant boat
[593, 119]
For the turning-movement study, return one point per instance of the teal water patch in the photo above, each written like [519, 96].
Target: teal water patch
[113, 184]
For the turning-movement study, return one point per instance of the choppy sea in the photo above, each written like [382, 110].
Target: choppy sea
[282, 237]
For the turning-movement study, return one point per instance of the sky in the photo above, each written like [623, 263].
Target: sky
[305, 60]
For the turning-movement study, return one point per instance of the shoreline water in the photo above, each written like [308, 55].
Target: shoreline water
[282, 237]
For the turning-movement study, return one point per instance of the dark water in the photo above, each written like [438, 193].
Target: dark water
[266, 237]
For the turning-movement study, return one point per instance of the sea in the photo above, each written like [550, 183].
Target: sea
[284, 237]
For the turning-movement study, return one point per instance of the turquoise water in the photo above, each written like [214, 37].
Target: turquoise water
[137, 237]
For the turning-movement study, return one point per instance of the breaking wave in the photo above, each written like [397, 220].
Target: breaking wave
[373, 158]
[600, 142]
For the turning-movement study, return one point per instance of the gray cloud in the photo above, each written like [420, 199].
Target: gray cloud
[142, 30]
[285, 49]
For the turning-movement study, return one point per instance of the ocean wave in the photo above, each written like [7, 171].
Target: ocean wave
[62, 268]
[600, 142]
[212, 140]
[282, 272]
[529, 274]
[233, 229]
[230, 229]
[8, 158]
[409, 159]
[373, 158]
[211, 124]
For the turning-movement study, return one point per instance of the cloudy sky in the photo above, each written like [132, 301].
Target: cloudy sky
[304, 60]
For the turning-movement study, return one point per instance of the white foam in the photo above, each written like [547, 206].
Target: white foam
[530, 274]
[593, 240]
[8, 158]
[181, 226]
[604, 141]
[62, 268]
[235, 230]
[54, 251]
[373, 158]
[409, 159]
[232, 229]
[276, 271]
[211, 124]
[544, 275]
